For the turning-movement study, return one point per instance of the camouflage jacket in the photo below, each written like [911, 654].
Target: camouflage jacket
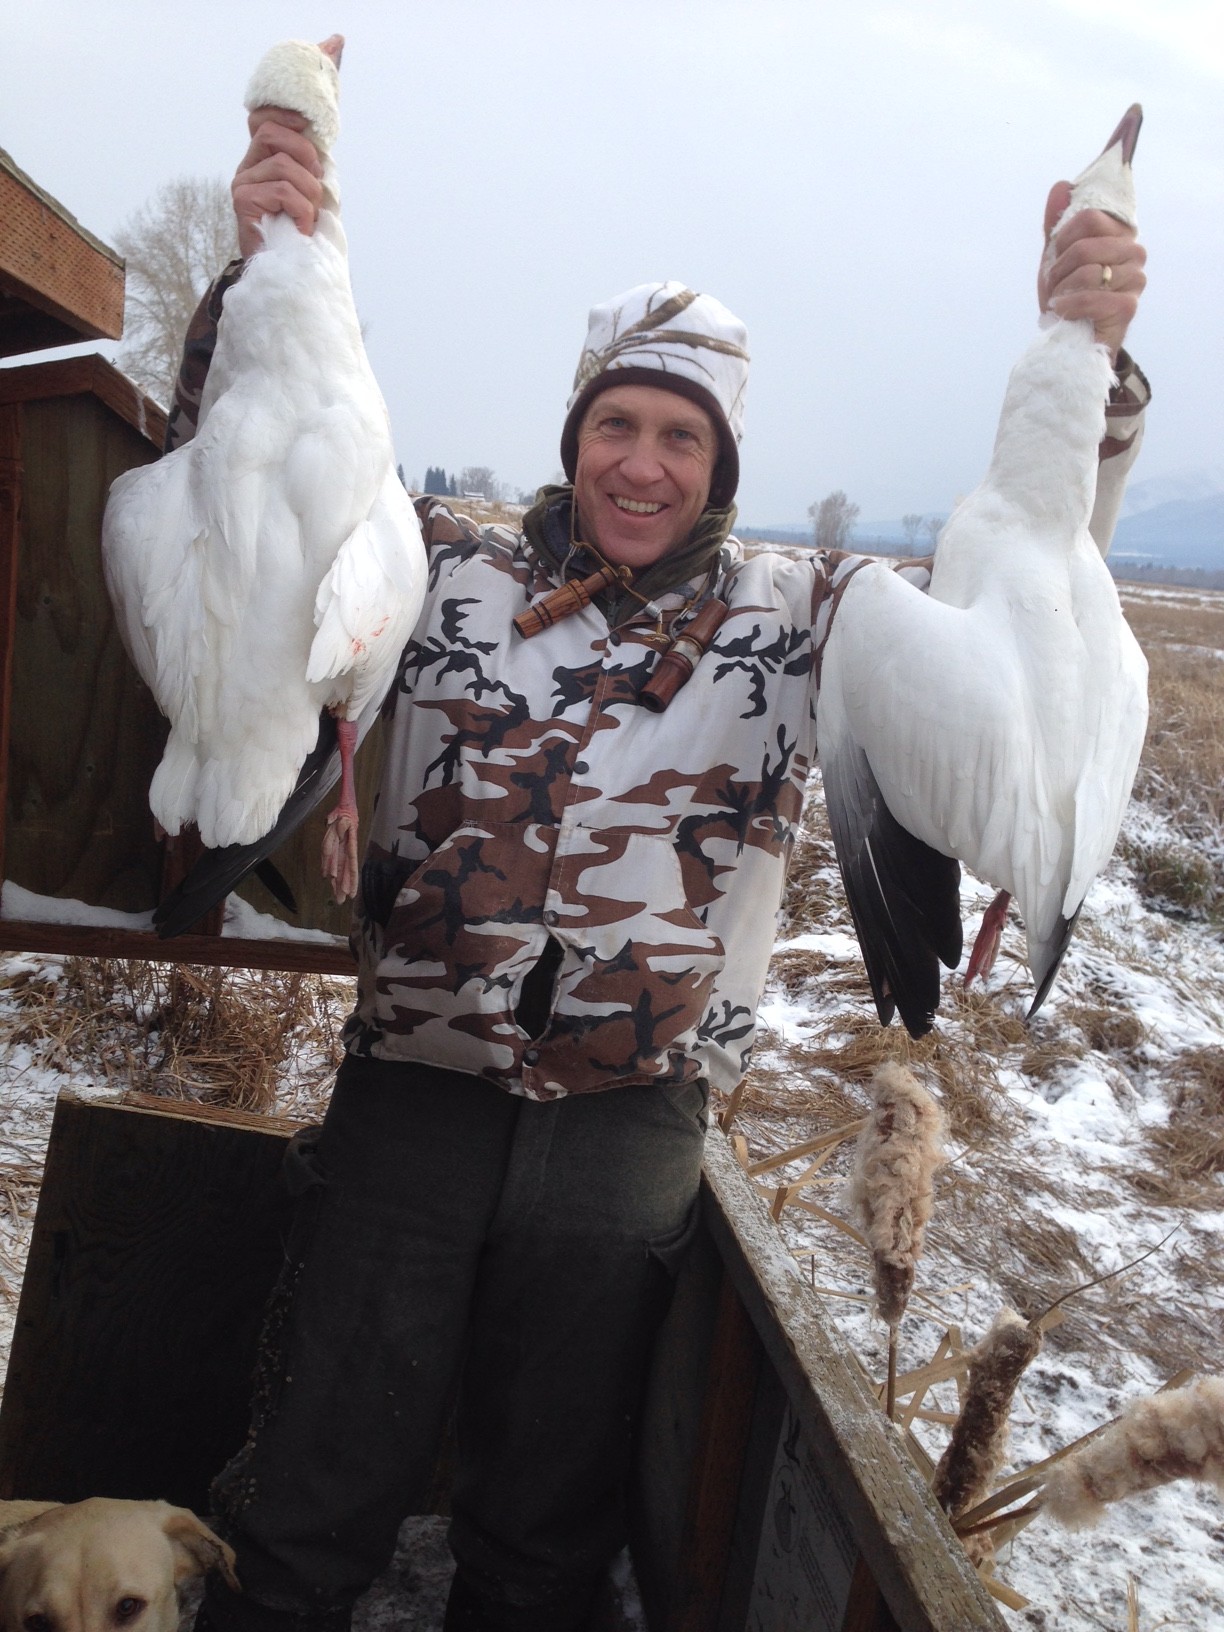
[527, 796]
[563, 891]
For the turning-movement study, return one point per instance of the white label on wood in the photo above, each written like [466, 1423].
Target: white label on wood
[806, 1554]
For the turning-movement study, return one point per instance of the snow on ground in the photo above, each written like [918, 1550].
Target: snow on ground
[1080, 1140]
[241, 919]
[1047, 1193]
[1050, 1195]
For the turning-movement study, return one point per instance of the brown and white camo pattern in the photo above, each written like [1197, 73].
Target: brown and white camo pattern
[528, 795]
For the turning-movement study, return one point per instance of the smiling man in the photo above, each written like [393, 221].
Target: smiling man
[645, 462]
[565, 918]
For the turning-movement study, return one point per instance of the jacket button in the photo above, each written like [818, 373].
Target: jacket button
[581, 767]
[551, 917]
[531, 1056]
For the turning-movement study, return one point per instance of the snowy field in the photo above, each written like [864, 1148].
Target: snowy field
[1079, 1140]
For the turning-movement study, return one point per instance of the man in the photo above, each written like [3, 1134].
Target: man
[564, 922]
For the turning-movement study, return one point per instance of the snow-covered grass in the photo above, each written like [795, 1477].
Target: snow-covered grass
[1079, 1140]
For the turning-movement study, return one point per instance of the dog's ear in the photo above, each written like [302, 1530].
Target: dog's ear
[9, 1542]
[196, 1548]
[15, 1520]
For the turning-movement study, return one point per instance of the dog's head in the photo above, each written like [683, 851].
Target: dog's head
[104, 1565]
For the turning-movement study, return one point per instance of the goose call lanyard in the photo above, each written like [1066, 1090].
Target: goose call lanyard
[677, 660]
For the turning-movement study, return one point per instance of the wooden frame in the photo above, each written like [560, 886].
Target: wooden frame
[58, 283]
[74, 818]
[758, 1412]
[771, 1496]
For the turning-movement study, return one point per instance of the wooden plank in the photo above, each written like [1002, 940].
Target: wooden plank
[223, 1116]
[10, 538]
[228, 952]
[867, 1611]
[157, 1239]
[23, 329]
[923, 1574]
[757, 1499]
[86, 735]
[51, 264]
[87, 376]
[717, 1470]
[670, 1429]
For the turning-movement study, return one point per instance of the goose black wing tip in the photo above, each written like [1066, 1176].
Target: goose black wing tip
[904, 899]
[219, 871]
[208, 881]
[1065, 928]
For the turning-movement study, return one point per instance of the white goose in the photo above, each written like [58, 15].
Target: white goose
[272, 567]
[999, 718]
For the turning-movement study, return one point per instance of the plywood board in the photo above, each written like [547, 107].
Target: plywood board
[156, 1243]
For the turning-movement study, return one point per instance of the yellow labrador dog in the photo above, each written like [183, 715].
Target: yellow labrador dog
[101, 1565]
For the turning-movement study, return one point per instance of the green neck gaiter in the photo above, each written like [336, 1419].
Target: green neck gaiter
[548, 527]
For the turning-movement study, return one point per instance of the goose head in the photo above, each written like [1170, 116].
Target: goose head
[1107, 184]
[304, 78]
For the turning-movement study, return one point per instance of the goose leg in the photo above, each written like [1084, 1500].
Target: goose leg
[340, 838]
[986, 946]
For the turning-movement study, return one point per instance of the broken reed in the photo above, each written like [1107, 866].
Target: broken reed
[891, 1189]
[974, 1455]
[1177, 1434]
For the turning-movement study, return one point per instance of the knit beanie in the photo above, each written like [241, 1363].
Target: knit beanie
[665, 335]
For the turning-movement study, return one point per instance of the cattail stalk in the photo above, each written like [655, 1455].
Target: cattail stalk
[976, 1450]
[891, 1190]
[1173, 1435]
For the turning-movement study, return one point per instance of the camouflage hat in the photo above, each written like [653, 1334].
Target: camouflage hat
[665, 335]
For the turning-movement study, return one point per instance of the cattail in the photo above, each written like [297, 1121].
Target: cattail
[1175, 1435]
[890, 1189]
[974, 1454]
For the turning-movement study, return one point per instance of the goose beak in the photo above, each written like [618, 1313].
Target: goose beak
[1127, 132]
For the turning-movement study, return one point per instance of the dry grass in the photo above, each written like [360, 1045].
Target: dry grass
[223, 1036]
[1182, 770]
[814, 892]
[996, 1209]
[1185, 1155]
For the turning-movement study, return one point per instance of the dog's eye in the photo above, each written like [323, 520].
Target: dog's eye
[127, 1609]
[38, 1623]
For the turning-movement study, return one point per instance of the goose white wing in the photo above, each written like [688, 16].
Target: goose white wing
[368, 602]
[1116, 724]
[1000, 719]
[151, 564]
[903, 787]
[1005, 734]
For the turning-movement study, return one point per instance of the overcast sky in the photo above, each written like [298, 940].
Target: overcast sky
[864, 187]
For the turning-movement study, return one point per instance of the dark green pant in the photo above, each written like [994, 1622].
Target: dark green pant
[449, 1231]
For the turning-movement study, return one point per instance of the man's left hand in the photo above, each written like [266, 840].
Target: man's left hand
[1076, 284]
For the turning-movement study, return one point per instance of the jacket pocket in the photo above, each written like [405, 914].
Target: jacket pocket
[639, 964]
[462, 932]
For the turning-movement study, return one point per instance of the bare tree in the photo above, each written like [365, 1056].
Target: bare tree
[931, 526]
[174, 246]
[833, 518]
[481, 479]
[911, 526]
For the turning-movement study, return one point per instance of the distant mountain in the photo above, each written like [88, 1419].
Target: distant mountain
[1188, 485]
[1176, 533]
[1167, 521]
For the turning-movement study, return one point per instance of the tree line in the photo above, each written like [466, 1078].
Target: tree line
[834, 516]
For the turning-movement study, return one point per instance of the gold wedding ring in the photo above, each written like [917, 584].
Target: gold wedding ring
[1106, 276]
